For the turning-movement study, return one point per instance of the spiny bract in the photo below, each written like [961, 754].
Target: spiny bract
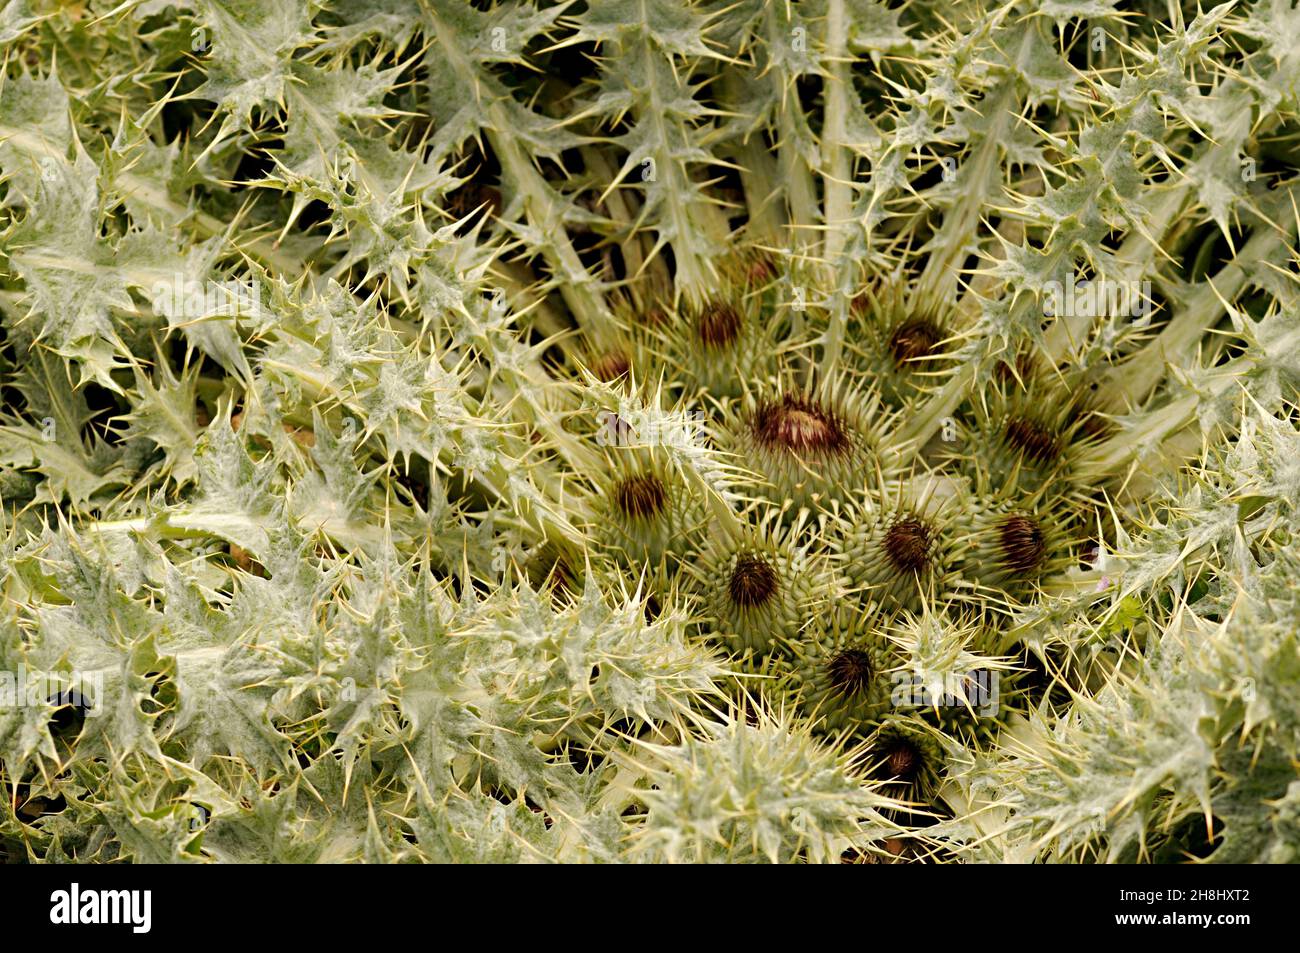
[436, 430]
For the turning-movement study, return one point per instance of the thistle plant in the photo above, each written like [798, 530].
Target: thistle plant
[532, 431]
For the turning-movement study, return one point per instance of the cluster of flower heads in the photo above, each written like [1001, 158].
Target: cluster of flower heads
[525, 430]
[864, 582]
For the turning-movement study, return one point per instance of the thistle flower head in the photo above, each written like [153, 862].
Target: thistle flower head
[902, 546]
[1028, 436]
[1011, 545]
[611, 365]
[753, 581]
[903, 347]
[840, 669]
[720, 344]
[718, 325]
[647, 509]
[811, 446]
[905, 753]
[799, 425]
[760, 587]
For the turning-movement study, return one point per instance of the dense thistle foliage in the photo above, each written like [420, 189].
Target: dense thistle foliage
[649, 430]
